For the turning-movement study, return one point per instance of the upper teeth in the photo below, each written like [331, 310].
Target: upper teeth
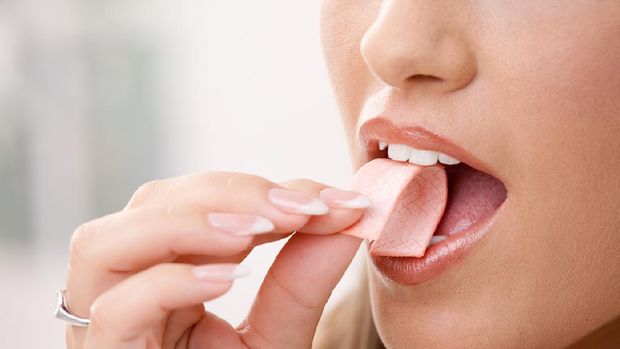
[401, 152]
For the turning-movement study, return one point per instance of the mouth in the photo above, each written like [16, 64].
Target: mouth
[474, 200]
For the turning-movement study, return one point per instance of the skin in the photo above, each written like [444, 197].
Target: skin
[531, 89]
[131, 272]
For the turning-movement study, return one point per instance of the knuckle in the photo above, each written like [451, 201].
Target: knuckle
[233, 181]
[95, 310]
[206, 179]
[296, 181]
[173, 210]
[81, 242]
[303, 184]
[222, 182]
[98, 314]
[145, 191]
[245, 180]
[229, 182]
[103, 317]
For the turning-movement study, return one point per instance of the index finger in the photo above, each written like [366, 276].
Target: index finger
[345, 207]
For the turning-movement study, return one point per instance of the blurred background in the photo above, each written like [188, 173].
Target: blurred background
[98, 97]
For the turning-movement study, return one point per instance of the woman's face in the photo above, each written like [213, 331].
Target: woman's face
[532, 90]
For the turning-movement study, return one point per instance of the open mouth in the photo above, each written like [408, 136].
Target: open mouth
[474, 198]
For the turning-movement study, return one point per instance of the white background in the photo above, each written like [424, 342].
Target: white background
[241, 86]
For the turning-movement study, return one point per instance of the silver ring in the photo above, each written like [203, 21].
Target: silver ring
[62, 312]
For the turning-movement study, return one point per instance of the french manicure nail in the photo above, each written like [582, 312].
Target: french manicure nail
[296, 202]
[220, 272]
[240, 224]
[344, 199]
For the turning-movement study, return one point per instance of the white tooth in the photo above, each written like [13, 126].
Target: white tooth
[447, 160]
[437, 238]
[423, 157]
[382, 145]
[398, 152]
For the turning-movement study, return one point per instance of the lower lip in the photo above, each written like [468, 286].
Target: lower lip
[437, 258]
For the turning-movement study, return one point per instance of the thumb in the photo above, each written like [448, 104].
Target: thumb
[291, 299]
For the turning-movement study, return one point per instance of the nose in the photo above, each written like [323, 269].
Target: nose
[419, 42]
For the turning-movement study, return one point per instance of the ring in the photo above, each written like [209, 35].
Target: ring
[62, 312]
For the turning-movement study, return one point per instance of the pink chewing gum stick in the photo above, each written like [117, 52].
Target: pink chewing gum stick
[408, 202]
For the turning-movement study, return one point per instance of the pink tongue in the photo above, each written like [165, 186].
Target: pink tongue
[407, 204]
[473, 195]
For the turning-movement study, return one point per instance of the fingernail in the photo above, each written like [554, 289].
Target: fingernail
[344, 199]
[240, 224]
[220, 272]
[296, 202]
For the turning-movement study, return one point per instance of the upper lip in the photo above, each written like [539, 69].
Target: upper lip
[380, 128]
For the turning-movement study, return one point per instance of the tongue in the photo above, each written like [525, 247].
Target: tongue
[407, 204]
[472, 196]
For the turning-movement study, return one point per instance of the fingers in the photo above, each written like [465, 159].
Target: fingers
[106, 251]
[345, 207]
[242, 193]
[127, 315]
[290, 301]
[203, 218]
[231, 193]
[134, 239]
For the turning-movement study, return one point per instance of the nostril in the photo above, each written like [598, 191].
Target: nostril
[424, 78]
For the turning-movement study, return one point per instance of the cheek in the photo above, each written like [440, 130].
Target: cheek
[343, 24]
[559, 85]
[556, 85]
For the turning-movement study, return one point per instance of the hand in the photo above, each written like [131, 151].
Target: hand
[142, 274]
